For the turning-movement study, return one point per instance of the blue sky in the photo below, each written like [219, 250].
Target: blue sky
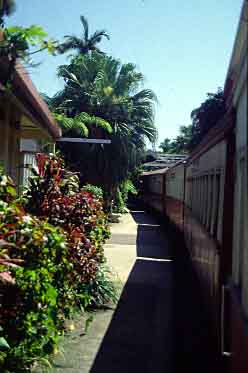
[182, 47]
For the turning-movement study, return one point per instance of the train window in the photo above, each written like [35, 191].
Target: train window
[205, 203]
[190, 193]
[241, 218]
[193, 195]
[198, 197]
[198, 201]
[243, 233]
[202, 201]
[211, 200]
[208, 191]
[201, 191]
[216, 209]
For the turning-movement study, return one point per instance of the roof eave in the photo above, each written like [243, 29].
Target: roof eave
[23, 81]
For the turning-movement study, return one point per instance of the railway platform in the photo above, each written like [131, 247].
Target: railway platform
[159, 324]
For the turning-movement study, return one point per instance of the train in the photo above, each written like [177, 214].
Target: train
[205, 198]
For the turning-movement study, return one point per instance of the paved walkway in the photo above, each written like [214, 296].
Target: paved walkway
[135, 340]
[158, 325]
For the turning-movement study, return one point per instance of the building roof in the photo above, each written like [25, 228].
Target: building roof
[25, 91]
[155, 172]
[164, 161]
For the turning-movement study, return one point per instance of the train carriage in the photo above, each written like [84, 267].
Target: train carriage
[174, 190]
[206, 198]
[238, 289]
[153, 187]
[207, 204]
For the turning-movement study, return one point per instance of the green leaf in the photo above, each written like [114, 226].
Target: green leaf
[52, 294]
[3, 343]
[11, 190]
[36, 31]
[51, 46]
[14, 29]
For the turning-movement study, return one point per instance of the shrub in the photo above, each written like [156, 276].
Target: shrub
[7, 188]
[80, 213]
[95, 190]
[122, 194]
[50, 264]
[32, 304]
[119, 204]
[103, 290]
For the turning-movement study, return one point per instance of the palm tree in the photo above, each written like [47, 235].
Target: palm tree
[101, 86]
[86, 43]
[7, 7]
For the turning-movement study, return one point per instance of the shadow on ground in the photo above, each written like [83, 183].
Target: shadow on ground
[159, 324]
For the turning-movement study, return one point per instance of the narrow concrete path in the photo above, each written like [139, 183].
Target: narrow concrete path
[140, 335]
[158, 325]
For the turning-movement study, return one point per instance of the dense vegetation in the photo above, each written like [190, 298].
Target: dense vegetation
[51, 261]
[104, 88]
[103, 98]
[203, 118]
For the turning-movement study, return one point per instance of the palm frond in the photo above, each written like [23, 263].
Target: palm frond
[86, 43]
[145, 95]
[86, 27]
[71, 126]
[71, 42]
[90, 120]
[98, 35]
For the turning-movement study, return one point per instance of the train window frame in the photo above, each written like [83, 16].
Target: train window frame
[193, 194]
[211, 196]
[188, 197]
[205, 205]
[201, 198]
[237, 247]
[242, 238]
[217, 204]
[209, 202]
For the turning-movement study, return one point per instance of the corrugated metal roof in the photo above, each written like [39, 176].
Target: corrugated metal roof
[156, 172]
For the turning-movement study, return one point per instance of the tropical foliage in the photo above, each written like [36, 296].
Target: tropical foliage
[207, 115]
[96, 191]
[86, 44]
[203, 118]
[81, 124]
[104, 88]
[48, 272]
[54, 193]
[32, 294]
[181, 144]
[22, 43]
[124, 191]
